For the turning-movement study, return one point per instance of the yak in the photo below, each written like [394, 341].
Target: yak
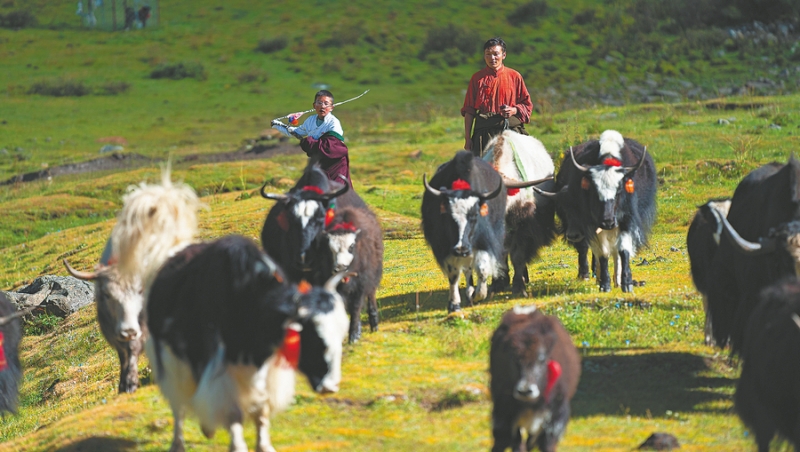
[760, 246]
[609, 200]
[463, 221]
[534, 369]
[530, 216]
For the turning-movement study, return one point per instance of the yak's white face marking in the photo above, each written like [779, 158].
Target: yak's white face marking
[460, 208]
[124, 300]
[524, 310]
[343, 247]
[305, 210]
[332, 329]
[611, 143]
[607, 180]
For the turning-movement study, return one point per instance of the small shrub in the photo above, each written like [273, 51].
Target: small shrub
[450, 38]
[584, 17]
[255, 75]
[60, 88]
[180, 71]
[271, 45]
[41, 324]
[17, 19]
[529, 13]
[114, 88]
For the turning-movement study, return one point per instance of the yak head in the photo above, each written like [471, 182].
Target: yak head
[782, 242]
[323, 322]
[342, 237]
[461, 207]
[531, 338]
[607, 184]
[302, 215]
[119, 301]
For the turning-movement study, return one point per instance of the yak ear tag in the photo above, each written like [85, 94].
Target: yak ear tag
[629, 185]
[553, 374]
[290, 350]
[304, 287]
[3, 362]
[329, 214]
[484, 210]
[585, 183]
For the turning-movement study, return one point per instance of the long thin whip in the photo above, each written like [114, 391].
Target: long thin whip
[299, 114]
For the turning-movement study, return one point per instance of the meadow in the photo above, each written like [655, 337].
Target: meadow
[421, 381]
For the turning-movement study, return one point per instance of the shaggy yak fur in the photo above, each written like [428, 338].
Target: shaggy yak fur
[535, 370]
[356, 245]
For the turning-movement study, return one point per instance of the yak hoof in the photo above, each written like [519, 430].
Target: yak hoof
[499, 285]
[452, 307]
[584, 276]
[177, 446]
[605, 287]
[627, 288]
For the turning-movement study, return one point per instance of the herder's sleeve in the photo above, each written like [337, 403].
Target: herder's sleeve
[524, 104]
[326, 145]
[470, 99]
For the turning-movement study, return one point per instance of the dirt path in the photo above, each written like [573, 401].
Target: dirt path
[128, 161]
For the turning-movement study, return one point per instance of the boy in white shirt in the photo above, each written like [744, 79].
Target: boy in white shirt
[322, 137]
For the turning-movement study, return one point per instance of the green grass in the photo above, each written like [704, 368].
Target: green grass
[421, 382]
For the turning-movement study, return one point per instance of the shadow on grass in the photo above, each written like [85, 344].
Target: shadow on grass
[100, 445]
[430, 301]
[649, 384]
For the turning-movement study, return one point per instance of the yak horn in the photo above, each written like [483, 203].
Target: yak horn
[493, 194]
[510, 183]
[575, 162]
[546, 194]
[274, 196]
[333, 281]
[334, 194]
[86, 276]
[745, 246]
[430, 189]
[10, 317]
[630, 169]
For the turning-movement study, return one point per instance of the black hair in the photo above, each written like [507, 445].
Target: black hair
[323, 92]
[496, 41]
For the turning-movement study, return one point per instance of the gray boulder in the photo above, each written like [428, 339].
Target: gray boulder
[55, 295]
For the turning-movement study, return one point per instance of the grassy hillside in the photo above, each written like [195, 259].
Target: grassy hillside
[420, 383]
[66, 86]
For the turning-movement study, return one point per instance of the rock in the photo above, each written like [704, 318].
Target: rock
[723, 122]
[416, 154]
[668, 93]
[660, 441]
[111, 148]
[775, 126]
[58, 295]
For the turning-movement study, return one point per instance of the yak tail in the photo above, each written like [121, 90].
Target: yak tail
[155, 221]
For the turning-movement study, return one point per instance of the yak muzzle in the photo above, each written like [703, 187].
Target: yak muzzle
[527, 392]
[608, 224]
[462, 250]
